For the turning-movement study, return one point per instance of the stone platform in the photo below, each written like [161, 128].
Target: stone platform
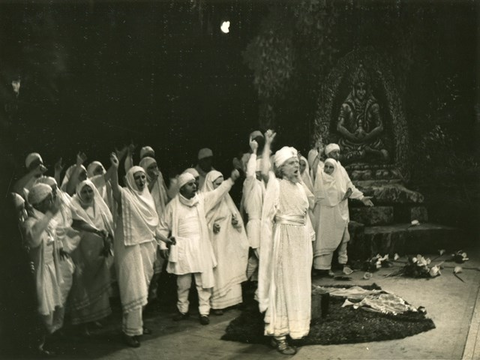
[386, 228]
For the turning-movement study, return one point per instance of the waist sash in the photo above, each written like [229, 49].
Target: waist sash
[295, 220]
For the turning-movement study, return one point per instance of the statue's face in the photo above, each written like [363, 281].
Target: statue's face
[360, 90]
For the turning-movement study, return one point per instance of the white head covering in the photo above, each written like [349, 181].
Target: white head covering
[38, 193]
[210, 179]
[331, 147]
[67, 176]
[192, 171]
[283, 155]
[142, 198]
[18, 201]
[92, 167]
[205, 152]
[47, 180]
[307, 180]
[101, 208]
[31, 158]
[146, 150]
[327, 187]
[185, 178]
[146, 162]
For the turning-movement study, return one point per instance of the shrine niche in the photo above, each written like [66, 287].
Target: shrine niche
[359, 109]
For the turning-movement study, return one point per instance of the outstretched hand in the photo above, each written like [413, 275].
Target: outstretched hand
[366, 201]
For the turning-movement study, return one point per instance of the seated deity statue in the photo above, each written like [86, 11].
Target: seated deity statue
[360, 124]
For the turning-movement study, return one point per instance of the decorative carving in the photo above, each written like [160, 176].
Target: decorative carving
[378, 156]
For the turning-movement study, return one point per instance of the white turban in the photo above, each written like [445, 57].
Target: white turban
[147, 161]
[146, 150]
[284, 154]
[185, 178]
[47, 180]
[192, 171]
[38, 193]
[204, 153]
[331, 147]
[31, 158]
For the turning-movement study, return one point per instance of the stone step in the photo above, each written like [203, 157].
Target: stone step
[376, 215]
[404, 239]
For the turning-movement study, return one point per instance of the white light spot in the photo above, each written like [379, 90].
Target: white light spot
[225, 27]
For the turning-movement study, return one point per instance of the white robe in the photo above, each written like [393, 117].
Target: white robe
[285, 260]
[185, 220]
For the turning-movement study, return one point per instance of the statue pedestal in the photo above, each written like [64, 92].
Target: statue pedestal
[387, 227]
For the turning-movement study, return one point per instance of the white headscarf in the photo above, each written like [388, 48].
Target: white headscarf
[47, 180]
[328, 189]
[211, 177]
[143, 200]
[97, 203]
[307, 180]
[68, 174]
[283, 155]
[92, 167]
[331, 147]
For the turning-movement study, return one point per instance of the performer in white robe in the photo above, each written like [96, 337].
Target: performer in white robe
[333, 188]
[284, 286]
[89, 298]
[230, 246]
[184, 219]
[252, 203]
[135, 248]
[42, 244]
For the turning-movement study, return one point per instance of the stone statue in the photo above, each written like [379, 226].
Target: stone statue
[360, 124]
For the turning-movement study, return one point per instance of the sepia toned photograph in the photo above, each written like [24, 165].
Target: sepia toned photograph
[240, 179]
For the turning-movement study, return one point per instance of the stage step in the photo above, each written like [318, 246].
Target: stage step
[403, 239]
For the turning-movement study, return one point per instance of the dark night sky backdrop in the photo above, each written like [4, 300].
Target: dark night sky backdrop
[96, 75]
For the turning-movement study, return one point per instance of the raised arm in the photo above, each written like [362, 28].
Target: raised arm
[269, 136]
[24, 180]
[34, 233]
[114, 180]
[58, 171]
[212, 198]
[73, 180]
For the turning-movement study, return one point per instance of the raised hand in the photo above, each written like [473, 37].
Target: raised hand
[59, 165]
[121, 153]
[114, 160]
[270, 136]
[81, 158]
[253, 145]
[235, 175]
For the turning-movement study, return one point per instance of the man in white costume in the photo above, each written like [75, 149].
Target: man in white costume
[192, 255]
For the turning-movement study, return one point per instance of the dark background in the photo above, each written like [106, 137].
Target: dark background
[98, 75]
